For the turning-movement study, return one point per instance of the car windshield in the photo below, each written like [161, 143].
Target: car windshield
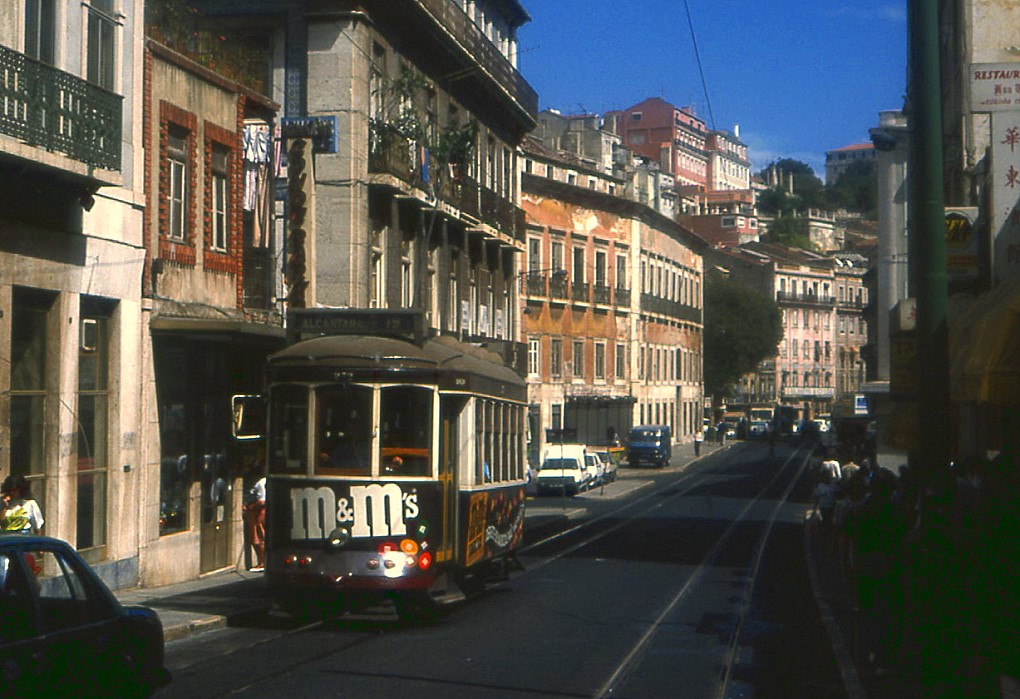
[560, 464]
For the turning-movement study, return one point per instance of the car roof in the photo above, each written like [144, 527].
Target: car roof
[31, 540]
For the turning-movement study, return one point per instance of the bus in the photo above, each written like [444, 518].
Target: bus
[785, 420]
[395, 470]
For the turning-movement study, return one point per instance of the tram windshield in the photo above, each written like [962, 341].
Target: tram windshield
[405, 414]
[343, 438]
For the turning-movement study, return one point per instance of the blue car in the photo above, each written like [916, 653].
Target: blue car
[64, 634]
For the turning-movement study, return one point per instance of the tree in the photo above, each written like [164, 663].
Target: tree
[791, 231]
[856, 189]
[808, 191]
[742, 328]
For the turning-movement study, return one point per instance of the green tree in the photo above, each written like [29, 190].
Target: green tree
[856, 189]
[742, 328]
[808, 191]
[791, 231]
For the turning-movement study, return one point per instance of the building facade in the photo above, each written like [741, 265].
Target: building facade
[211, 291]
[72, 318]
[612, 297]
[838, 160]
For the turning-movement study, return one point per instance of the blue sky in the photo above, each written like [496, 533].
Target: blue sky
[799, 76]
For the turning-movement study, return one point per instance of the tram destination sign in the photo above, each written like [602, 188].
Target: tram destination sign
[313, 322]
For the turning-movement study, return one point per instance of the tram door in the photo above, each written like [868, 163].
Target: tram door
[450, 408]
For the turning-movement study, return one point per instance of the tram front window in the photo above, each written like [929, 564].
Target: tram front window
[288, 430]
[405, 415]
[343, 438]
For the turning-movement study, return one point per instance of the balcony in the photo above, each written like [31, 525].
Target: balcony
[600, 293]
[808, 392]
[468, 43]
[390, 153]
[622, 297]
[47, 108]
[661, 306]
[206, 41]
[808, 299]
[579, 292]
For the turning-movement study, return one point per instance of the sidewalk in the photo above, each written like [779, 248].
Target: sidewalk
[211, 602]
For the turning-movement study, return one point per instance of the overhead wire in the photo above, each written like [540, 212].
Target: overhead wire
[701, 69]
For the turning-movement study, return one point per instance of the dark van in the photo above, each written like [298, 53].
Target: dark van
[651, 445]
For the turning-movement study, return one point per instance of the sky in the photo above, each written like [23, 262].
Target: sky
[799, 77]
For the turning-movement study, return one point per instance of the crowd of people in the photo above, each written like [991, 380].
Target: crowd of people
[933, 560]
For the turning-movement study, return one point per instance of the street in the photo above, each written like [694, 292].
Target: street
[689, 581]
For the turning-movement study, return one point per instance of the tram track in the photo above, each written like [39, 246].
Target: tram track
[797, 461]
[588, 532]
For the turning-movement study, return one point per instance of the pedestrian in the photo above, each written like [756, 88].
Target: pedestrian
[831, 467]
[19, 512]
[826, 493]
[255, 522]
[699, 437]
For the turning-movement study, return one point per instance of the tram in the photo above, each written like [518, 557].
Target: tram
[395, 469]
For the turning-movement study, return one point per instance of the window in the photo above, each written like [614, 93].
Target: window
[533, 356]
[405, 434]
[101, 43]
[534, 254]
[600, 267]
[220, 198]
[29, 344]
[621, 272]
[93, 424]
[40, 30]
[578, 358]
[288, 429]
[556, 263]
[621, 360]
[600, 361]
[343, 431]
[406, 275]
[556, 358]
[177, 195]
[578, 276]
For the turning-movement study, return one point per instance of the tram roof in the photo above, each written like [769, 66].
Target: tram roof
[440, 360]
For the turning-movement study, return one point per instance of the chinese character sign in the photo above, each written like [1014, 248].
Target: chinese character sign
[1005, 208]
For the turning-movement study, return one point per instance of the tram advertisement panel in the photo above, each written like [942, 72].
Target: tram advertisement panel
[300, 511]
[495, 522]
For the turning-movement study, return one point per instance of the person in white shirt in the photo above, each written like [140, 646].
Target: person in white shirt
[255, 522]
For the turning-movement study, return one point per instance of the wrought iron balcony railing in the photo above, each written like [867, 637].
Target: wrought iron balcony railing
[46, 107]
[812, 299]
[391, 153]
[622, 296]
[467, 34]
[601, 294]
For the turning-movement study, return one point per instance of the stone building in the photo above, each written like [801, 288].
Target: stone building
[72, 316]
[210, 289]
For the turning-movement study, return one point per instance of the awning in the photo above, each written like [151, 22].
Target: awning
[984, 348]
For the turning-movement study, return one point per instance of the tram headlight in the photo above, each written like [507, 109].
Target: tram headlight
[338, 538]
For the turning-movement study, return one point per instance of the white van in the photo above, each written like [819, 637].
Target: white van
[564, 469]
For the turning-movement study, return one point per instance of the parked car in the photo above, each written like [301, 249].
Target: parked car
[596, 469]
[64, 633]
[564, 469]
[610, 466]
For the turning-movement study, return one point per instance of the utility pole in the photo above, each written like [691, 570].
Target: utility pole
[927, 240]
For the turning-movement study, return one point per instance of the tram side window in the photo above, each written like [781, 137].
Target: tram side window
[288, 430]
[405, 417]
[343, 431]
